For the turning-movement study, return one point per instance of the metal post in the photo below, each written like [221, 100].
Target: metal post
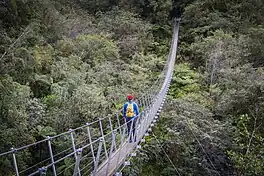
[145, 123]
[102, 133]
[73, 147]
[150, 103]
[151, 97]
[136, 129]
[150, 109]
[118, 122]
[14, 161]
[90, 141]
[149, 100]
[98, 156]
[144, 102]
[111, 150]
[142, 125]
[110, 122]
[51, 156]
[73, 143]
[111, 125]
[77, 162]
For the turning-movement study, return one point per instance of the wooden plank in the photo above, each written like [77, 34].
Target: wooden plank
[116, 160]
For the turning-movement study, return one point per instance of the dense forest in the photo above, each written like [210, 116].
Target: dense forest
[67, 62]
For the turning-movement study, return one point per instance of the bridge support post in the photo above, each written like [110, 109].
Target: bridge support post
[145, 103]
[73, 147]
[118, 123]
[51, 156]
[111, 127]
[102, 133]
[98, 156]
[137, 128]
[14, 161]
[144, 125]
[149, 101]
[77, 163]
[90, 141]
[141, 129]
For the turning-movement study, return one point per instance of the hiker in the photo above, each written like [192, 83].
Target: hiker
[130, 112]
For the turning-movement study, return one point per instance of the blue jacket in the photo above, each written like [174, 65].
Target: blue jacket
[135, 106]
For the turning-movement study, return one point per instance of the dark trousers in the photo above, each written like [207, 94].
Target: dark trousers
[131, 125]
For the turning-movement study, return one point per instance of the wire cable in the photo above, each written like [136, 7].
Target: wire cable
[160, 146]
[202, 148]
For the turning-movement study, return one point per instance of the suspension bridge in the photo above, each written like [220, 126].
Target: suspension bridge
[99, 148]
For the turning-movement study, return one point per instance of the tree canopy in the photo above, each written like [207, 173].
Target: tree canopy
[66, 62]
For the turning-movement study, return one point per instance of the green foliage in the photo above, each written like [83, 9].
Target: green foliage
[61, 68]
[191, 138]
[95, 49]
[162, 35]
[186, 85]
[14, 120]
[67, 162]
[132, 34]
[45, 131]
[43, 56]
[219, 50]
[248, 147]
[96, 5]
[156, 10]
[65, 63]
[184, 81]
[223, 40]
[256, 41]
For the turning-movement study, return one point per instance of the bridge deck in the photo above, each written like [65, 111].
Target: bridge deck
[116, 160]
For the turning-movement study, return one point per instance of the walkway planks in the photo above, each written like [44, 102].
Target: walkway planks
[115, 161]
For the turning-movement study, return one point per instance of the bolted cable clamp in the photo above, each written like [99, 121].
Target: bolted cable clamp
[14, 150]
[79, 151]
[127, 163]
[133, 154]
[42, 170]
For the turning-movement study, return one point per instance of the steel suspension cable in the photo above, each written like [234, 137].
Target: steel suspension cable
[201, 146]
[160, 146]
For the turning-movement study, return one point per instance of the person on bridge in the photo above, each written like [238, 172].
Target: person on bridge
[131, 112]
